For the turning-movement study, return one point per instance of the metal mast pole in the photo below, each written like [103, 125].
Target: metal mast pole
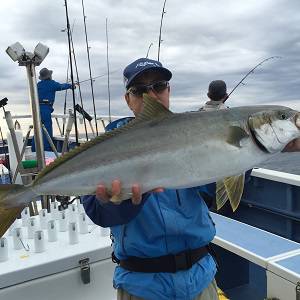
[36, 116]
[89, 63]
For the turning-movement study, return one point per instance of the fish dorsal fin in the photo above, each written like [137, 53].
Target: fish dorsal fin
[153, 110]
[231, 188]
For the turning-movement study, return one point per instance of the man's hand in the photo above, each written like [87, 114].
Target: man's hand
[293, 146]
[104, 196]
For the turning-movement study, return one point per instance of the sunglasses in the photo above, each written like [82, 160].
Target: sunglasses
[139, 89]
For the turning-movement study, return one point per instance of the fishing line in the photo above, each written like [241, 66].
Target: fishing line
[96, 77]
[89, 63]
[71, 70]
[160, 29]
[107, 63]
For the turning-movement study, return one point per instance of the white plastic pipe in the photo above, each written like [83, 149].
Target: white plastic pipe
[25, 215]
[31, 228]
[73, 233]
[39, 241]
[3, 249]
[17, 238]
[62, 221]
[52, 231]
[43, 218]
[83, 223]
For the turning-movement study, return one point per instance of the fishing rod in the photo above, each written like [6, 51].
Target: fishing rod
[67, 79]
[149, 50]
[3, 102]
[107, 63]
[250, 72]
[89, 63]
[71, 72]
[79, 88]
[160, 28]
[65, 100]
[94, 78]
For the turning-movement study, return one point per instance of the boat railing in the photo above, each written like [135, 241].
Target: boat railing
[277, 176]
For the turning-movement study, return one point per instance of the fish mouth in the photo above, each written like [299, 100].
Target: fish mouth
[297, 120]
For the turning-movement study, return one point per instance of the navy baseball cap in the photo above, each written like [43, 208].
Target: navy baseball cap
[139, 66]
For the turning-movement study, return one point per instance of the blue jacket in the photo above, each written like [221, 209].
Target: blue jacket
[48, 87]
[164, 223]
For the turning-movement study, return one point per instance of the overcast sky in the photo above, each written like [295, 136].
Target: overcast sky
[203, 40]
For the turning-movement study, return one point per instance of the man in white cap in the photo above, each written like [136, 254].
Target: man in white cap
[47, 87]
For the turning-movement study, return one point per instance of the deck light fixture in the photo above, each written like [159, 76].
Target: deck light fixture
[30, 60]
[17, 53]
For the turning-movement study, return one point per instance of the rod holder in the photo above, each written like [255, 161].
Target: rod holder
[62, 221]
[39, 241]
[52, 231]
[3, 249]
[73, 233]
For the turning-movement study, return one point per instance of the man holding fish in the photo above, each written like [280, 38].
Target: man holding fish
[160, 238]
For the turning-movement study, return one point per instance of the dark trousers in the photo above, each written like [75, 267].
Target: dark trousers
[46, 111]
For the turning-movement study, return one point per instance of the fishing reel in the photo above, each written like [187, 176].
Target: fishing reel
[65, 201]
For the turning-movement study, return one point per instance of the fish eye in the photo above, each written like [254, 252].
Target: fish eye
[282, 116]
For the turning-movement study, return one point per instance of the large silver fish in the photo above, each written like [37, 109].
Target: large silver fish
[164, 149]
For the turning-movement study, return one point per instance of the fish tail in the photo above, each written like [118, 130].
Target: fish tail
[12, 202]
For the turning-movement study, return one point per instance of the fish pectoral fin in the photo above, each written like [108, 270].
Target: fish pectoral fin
[235, 135]
[8, 216]
[221, 195]
[234, 187]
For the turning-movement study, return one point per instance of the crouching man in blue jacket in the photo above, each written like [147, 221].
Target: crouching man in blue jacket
[160, 238]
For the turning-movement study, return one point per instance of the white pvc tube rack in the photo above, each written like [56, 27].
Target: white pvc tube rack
[43, 218]
[73, 233]
[54, 210]
[17, 238]
[31, 227]
[83, 223]
[62, 221]
[39, 241]
[25, 215]
[3, 249]
[52, 231]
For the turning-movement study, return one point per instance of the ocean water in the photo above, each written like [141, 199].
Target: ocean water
[284, 162]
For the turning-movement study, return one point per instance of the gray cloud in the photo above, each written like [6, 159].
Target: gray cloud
[202, 41]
